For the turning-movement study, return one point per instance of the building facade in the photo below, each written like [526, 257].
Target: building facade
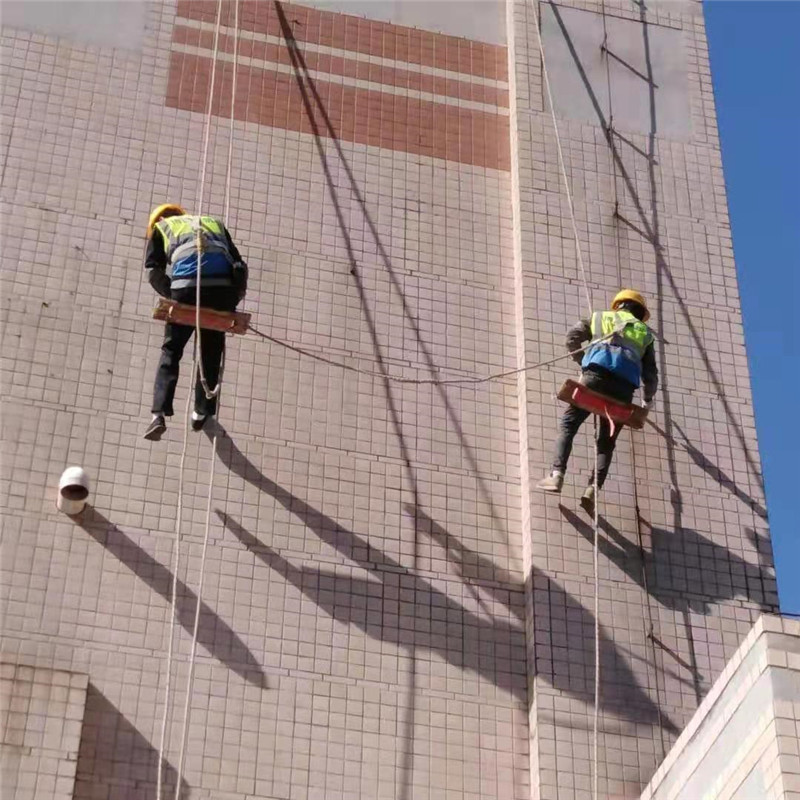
[388, 609]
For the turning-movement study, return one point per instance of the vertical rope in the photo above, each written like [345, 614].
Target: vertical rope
[196, 626]
[596, 565]
[210, 393]
[562, 164]
[217, 389]
[584, 277]
[197, 371]
[174, 590]
[227, 204]
[650, 633]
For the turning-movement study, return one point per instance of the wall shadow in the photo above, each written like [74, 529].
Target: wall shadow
[321, 125]
[400, 608]
[708, 466]
[472, 567]
[650, 223]
[564, 648]
[421, 621]
[115, 761]
[213, 633]
[681, 568]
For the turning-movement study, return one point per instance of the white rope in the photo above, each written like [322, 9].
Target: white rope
[210, 393]
[567, 189]
[197, 372]
[226, 206]
[217, 390]
[579, 255]
[176, 550]
[595, 562]
[196, 627]
[471, 381]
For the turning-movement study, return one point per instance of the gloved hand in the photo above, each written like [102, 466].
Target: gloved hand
[648, 404]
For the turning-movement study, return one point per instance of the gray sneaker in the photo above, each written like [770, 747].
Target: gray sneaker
[155, 430]
[552, 483]
[587, 501]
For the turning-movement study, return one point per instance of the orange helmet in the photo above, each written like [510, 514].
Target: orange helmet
[164, 210]
[636, 297]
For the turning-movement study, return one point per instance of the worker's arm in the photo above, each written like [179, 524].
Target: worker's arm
[155, 262]
[240, 271]
[578, 334]
[649, 373]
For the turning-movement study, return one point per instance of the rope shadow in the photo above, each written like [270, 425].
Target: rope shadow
[711, 469]
[216, 636]
[115, 761]
[672, 553]
[650, 227]
[311, 98]
[401, 608]
[482, 642]
[565, 658]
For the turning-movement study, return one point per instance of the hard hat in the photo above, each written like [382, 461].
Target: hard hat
[160, 211]
[631, 294]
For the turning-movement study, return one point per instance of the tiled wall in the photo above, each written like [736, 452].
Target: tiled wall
[387, 610]
[360, 628]
[684, 556]
[743, 741]
[41, 716]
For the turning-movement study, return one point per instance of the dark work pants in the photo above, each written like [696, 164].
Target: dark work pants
[221, 298]
[574, 417]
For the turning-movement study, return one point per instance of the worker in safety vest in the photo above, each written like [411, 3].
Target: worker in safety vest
[171, 264]
[614, 367]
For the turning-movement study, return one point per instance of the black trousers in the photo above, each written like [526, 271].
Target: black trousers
[176, 337]
[574, 417]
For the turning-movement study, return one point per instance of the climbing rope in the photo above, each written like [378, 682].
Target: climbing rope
[471, 381]
[197, 374]
[650, 632]
[595, 542]
[174, 591]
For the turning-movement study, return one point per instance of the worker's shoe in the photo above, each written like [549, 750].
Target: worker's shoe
[198, 420]
[156, 428]
[587, 501]
[552, 483]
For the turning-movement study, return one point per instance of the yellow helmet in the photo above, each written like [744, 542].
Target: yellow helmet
[631, 294]
[161, 211]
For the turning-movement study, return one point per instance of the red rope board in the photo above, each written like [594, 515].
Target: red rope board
[577, 394]
[182, 314]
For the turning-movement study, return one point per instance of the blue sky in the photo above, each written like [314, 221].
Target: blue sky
[755, 64]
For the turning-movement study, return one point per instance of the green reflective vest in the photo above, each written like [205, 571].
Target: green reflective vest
[622, 353]
[180, 245]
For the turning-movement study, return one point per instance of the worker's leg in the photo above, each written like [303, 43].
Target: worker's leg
[175, 339]
[212, 348]
[606, 442]
[570, 423]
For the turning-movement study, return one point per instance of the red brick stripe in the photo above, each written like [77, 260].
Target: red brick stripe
[350, 68]
[359, 35]
[372, 118]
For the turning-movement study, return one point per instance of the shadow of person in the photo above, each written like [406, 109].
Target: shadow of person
[564, 648]
[400, 607]
[468, 564]
[115, 761]
[213, 633]
[683, 567]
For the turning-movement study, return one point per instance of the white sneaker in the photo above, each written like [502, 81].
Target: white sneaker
[198, 420]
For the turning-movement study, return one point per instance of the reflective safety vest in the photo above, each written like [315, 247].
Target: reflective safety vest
[180, 245]
[622, 353]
